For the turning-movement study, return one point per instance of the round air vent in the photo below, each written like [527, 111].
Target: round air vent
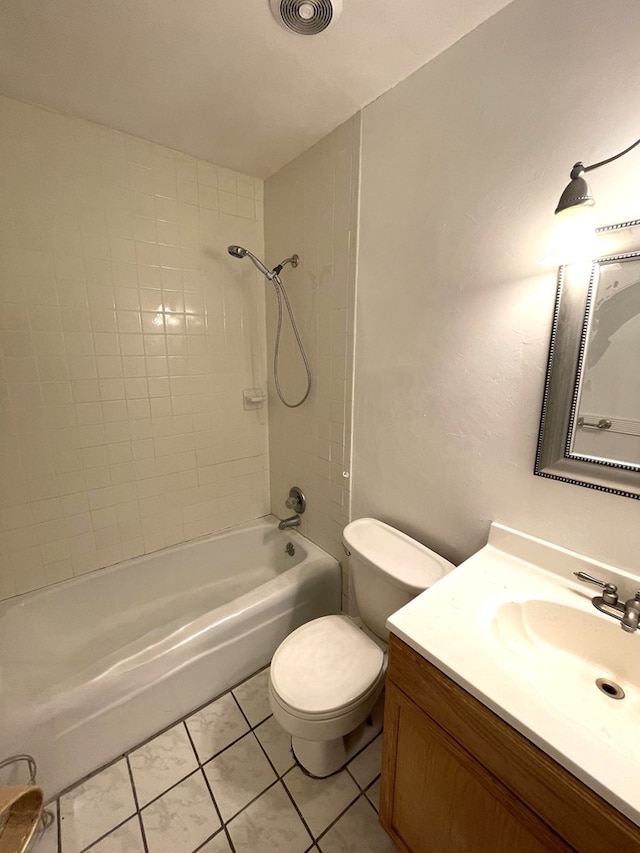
[306, 17]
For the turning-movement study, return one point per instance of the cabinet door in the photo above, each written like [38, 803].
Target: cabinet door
[437, 799]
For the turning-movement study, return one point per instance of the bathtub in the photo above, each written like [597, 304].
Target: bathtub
[93, 666]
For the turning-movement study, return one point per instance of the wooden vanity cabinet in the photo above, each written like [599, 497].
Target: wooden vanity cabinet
[458, 779]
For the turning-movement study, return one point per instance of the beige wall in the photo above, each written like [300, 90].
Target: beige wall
[127, 334]
[126, 337]
[462, 166]
[311, 209]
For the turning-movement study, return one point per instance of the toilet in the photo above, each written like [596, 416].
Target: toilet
[326, 682]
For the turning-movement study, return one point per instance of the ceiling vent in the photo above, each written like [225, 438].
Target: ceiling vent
[306, 17]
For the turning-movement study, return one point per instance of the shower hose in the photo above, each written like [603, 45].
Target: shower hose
[281, 293]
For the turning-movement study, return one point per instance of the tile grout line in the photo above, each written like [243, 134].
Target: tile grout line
[367, 800]
[335, 821]
[59, 826]
[200, 764]
[370, 786]
[93, 773]
[223, 827]
[237, 701]
[137, 802]
[280, 777]
[252, 801]
[218, 832]
[102, 837]
[295, 806]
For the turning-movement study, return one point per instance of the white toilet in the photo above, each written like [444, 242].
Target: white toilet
[327, 677]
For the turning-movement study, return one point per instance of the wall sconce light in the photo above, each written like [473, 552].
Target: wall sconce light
[574, 235]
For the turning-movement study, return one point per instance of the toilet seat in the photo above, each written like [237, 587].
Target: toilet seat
[326, 667]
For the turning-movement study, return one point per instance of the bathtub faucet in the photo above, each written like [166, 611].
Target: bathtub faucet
[286, 523]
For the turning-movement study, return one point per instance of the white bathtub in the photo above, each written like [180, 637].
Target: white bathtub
[92, 666]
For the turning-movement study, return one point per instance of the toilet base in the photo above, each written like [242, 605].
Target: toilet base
[322, 758]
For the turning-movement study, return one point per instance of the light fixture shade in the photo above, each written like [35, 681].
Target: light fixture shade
[577, 193]
[574, 235]
[573, 238]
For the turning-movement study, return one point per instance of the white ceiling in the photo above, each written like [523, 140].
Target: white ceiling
[220, 79]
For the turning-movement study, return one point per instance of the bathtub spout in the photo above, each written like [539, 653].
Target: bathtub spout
[286, 523]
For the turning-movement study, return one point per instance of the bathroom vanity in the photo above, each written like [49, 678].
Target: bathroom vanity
[477, 757]
[458, 779]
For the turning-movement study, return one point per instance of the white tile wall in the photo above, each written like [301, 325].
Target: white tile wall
[311, 208]
[126, 337]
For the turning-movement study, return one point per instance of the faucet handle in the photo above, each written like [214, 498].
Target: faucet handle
[296, 500]
[633, 603]
[630, 622]
[609, 590]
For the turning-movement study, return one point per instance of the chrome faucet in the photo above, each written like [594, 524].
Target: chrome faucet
[628, 614]
[294, 521]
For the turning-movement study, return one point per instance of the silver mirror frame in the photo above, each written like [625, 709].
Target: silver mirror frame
[566, 352]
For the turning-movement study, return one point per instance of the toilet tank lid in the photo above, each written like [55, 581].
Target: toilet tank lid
[409, 562]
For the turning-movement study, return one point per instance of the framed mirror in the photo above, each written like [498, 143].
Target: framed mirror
[590, 422]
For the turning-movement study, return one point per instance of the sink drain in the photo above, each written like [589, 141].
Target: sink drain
[610, 688]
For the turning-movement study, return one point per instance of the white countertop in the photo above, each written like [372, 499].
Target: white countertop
[506, 626]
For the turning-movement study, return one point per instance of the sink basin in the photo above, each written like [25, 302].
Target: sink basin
[580, 661]
[516, 629]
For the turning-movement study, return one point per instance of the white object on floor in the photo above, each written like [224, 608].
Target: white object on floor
[327, 678]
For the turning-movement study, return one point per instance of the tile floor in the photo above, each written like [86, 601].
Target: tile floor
[221, 781]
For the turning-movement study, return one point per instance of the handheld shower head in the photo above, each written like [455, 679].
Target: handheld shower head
[240, 252]
[274, 277]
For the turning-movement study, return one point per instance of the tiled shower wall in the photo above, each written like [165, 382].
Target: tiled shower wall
[127, 335]
[311, 207]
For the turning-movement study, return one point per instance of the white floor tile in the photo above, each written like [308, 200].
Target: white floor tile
[321, 800]
[365, 767]
[219, 844]
[125, 839]
[238, 775]
[373, 795]
[277, 744]
[181, 819]
[253, 697]
[270, 825]
[216, 726]
[357, 830]
[92, 809]
[179, 814]
[161, 763]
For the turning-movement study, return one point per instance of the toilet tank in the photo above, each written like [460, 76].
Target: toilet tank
[388, 569]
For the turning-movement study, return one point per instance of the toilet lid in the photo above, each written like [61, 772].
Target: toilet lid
[325, 665]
